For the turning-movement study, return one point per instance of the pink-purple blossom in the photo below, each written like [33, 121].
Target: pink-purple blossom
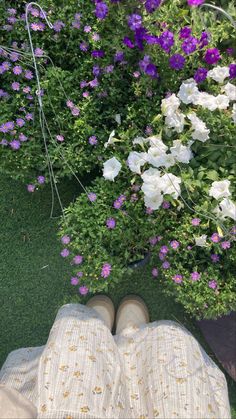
[106, 270]
[212, 284]
[174, 244]
[65, 253]
[195, 276]
[215, 238]
[215, 258]
[111, 223]
[30, 188]
[195, 221]
[74, 280]
[177, 278]
[41, 180]
[165, 265]
[83, 290]
[78, 259]
[155, 272]
[212, 56]
[92, 197]
[93, 140]
[65, 239]
[225, 244]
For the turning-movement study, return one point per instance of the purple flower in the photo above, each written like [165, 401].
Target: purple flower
[106, 270]
[70, 104]
[37, 26]
[185, 32]
[20, 122]
[177, 279]
[96, 70]
[162, 256]
[30, 188]
[225, 245]
[195, 276]
[149, 210]
[155, 272]
[84, 46]
[119, 56]
[29, 116]
[165, 205]
[177, 61]
[230, 51]
[101, 10]
[233, 230]
[92, 197]
[60, 138]
[95, 37]
[232, 71]
[212, 284]
[117, 204]
[151, 70]
[78, 259]
[189, 45]
[164, 250]
[212, 56]
[28, 75]
[80, 274]
[83, 290]
[200, 75]
[204, 40]
[17, 70]
[174, 244]
[58, 25]
[127, 42]
[38, 52]
[153, 240]
[65, 253]
[87, 28]
[108, 69]
[98, 53]
[65, 239]
[93, 140]
[166, 41]
[15, 86]
[111, 223]
[195, 3]
[75, 111]
[152, 5]
[15, 144]
[41, 180]
[195, 221]
[215, 238]
[135, 21]
[74, 280]
[215, 258]
[165, 265]
[93, 83]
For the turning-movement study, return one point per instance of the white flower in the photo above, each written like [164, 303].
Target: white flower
[230, 91]
[200, 132]
[170, 184]
[220, 189]
[111, 139]
[218, 73]
[136, 161]
[151, 189]
[111, 168]
[188, 91]
[118, 118]
[154, 202]
[156, 141]
[168, 161]
[201, 241]
[222, 101]
[228, 208]
[151, 175]
[205, 100]
[156, 157]
[176, 121]
[234, 113]
[170, 105]
[139, 140]
[181, 153]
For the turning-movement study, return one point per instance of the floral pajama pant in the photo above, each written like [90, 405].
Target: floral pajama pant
[156, 371]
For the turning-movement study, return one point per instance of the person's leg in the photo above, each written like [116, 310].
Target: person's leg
[80, 371]
[171, 376]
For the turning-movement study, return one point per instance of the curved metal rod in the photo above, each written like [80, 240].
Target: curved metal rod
[219, 9]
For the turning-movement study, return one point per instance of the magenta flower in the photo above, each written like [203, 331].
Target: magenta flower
[195, 276]
[225, 245]
[31, 188]
[111, 223]
[215, 238]
[65, 253]
[74, 280]
[177, 279]
[174, 244]
[106, 270]
[83, 290]
[195, 3]
[165, 205]
[41, 180]
[75, 111]
[65, 239]
[155, 272]
[212, 284]
[78, 259]
[195, 221]
[60, 138]
[149, 211]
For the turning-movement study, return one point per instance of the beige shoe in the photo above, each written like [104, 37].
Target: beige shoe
[131, 312]
[104, 306]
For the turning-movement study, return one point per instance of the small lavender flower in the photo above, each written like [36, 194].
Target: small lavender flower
[165, 205]
[20, 122]
[106, 270]
[28, 75]
[65, 239]
[70, 104]
[215, 238]
[153, 241]
[15, 86]
[233, 230]
[78, 259]
[111, 223]
[84, 46]
[212, 284]
[87, 29]
[101, 10]
[38, 52]
[30, 188]
[17, 70]
[80, 274]
[177, 279]
[164, 249]
[92, 197]
[74, 280]
[29, 117]
[83, 290]
[195, 221]
[225, 245]
[149, 211]
[41, 180]
[174, 244]
[58, 26]
[117, 204]
[60, 138]
[155, 272]
[215, 258]
[65, 253]
[166, 41]
[162, 256]
[195, 276]
[95, 37]
[15, 144]
[135, 21]
[166, 265]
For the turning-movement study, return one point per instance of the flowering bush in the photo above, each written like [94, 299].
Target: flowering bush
[83, 97]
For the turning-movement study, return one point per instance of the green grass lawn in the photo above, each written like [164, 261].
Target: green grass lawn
[35, 280]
